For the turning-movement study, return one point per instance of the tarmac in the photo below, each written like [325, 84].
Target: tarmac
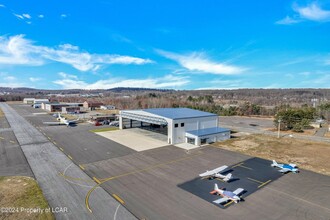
[149, 183]
[12, 159]
[64, 184]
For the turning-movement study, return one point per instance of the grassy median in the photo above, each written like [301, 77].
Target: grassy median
[105, 129]
[17, 194]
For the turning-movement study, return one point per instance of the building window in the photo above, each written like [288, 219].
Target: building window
[182, 124]
[176, 125]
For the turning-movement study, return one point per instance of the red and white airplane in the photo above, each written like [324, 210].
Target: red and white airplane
[226, 195]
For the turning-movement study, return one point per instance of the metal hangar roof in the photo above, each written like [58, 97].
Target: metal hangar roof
[178, 113]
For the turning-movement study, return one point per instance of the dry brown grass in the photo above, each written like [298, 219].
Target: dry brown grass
[1, 113]
[17, 192]
[308, 132]
[115, 111]
[309, 155]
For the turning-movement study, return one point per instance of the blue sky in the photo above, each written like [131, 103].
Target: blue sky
[165, 44]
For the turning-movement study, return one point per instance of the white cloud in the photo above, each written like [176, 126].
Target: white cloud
[34, 79]
[9, 78]
[22, 16]
[66, 76]
[287, 21]
[313, 12]
[41, 16]
[2, 6]
[200, 63]
[26, 16]
[19, 16]
[10, 81]
[64, 15]
[18, 50]
[168, 81]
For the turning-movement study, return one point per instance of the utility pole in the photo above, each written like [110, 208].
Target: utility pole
[279, 128]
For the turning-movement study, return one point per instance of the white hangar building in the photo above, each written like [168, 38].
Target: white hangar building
[179, 124]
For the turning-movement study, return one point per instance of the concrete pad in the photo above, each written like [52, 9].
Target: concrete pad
[135, 139]
[186, 146]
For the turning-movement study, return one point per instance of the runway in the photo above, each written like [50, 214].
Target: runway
[52, 168]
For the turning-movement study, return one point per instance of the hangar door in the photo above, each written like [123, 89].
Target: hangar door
[155, 124]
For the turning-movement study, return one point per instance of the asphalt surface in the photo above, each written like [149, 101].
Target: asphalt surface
[251, 175]
[260, 126]
[12, 158]
[147, 183]
[63, 183]
[84, 146]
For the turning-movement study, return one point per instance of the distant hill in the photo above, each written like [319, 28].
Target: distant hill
[75, 91]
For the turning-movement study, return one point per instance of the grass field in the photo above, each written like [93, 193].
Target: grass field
[22, 192]
[309, 155]
[104, 129]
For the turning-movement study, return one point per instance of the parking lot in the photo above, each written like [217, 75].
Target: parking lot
[251, 175]
[156, 183]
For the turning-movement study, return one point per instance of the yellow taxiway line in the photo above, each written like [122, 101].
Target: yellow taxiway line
[118, 198]
[227, 204]
[261, 185]
[61, 149]
[129, 173]
[149, 168]
[255, 180]
[81, 167]
[2, 138]
[245, 167]
[70, 157]
[237, 165]
[96, 180]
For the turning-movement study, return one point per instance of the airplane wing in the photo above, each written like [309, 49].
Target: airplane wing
[238, 191]
[221, 200]
[284, 170]
[73, 121]
[53, 123]
[214, 171]
[207, 173]
[293, 165]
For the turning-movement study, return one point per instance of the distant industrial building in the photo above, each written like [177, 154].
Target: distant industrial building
[36, 103]
[57, 107]
[71, 109]
[29, 101]
[91, 105]
[107, 107]
[179, 124]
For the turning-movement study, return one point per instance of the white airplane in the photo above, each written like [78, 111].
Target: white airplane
[62, 121]
[284, 168]
[226, 195]
[216, 173]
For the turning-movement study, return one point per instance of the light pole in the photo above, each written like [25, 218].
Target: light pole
[279, 128]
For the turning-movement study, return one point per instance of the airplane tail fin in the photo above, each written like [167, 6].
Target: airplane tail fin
[228, 177]
[274, 163]
[216, 187]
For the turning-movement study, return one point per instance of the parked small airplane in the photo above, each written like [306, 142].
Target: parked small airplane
[284, 168]
[216, 173]
[62, 121]
[226, 195]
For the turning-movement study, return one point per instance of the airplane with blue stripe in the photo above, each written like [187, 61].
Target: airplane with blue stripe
[284, 168]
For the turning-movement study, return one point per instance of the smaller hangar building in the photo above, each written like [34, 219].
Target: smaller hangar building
[179, 124]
